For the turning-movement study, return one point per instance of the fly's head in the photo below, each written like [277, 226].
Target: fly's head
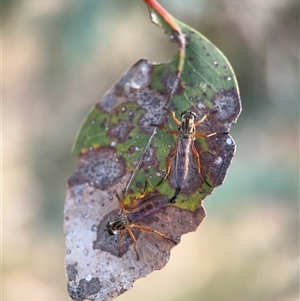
[187, 126]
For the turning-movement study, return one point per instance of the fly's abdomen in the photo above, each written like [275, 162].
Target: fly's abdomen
[148, 207]
[181, 165]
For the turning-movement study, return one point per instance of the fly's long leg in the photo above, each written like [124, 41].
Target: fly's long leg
[168, 168]
[197, 134]
[196, 154]
[122, 232]
[134, 242]
[148, 229]
[142, 228]
[165, 130]
[200, 135]
[178, 122]
[201, 120]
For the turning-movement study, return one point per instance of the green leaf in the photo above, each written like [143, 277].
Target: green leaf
[198, 78]
[204, 82]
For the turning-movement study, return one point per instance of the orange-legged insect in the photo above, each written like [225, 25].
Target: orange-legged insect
[127, 219]
[185, 145]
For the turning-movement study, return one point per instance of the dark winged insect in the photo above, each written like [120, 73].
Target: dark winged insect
[127, 219]
[185, 145]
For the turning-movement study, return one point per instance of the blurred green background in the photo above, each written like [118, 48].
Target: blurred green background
[59, 57]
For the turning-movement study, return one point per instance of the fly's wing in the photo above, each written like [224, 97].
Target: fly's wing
[147, 207]
[181, 161]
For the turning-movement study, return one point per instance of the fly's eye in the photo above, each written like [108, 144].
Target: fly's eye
[110, 229]
[183, 113]
[193, 114]
[189, 114]
[111, 232]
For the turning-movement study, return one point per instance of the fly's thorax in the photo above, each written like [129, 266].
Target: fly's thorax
[187, 126]
[120, 223]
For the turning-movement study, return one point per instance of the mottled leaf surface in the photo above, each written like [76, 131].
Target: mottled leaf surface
[120, 150]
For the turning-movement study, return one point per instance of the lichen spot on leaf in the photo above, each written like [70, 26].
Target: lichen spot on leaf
[100, 168]
[227, 104]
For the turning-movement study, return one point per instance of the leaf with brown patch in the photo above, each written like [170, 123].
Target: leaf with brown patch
[120, 150]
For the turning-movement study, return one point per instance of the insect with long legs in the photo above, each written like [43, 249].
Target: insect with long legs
[127, 219]
[185, 145]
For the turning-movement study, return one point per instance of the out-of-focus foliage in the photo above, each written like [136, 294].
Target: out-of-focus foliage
[59, 57]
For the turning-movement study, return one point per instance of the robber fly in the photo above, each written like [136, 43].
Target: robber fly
[185, 145]
[127, 219]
